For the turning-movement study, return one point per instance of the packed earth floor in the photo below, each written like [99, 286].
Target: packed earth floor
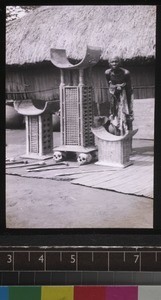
[52, 203]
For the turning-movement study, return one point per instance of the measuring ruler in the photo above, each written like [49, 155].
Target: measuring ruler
[79, 265]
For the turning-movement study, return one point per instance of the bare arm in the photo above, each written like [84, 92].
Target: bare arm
[107, 75]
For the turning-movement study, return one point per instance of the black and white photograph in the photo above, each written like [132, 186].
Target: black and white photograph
[80, 103]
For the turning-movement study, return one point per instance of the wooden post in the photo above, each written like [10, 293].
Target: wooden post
[81, 77]
[61, 76]
[40, 151]
[81, 84]
[27, 135]
[61, 89]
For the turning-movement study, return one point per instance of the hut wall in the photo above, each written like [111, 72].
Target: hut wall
[144, 118]
[46, 78]
[39, 81]
[143, 81]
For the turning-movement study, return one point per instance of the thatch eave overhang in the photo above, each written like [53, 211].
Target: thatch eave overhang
[31, 64]
[140, 60]
[129, 62]
[126, 31]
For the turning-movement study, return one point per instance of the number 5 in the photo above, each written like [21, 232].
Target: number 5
[72, 259]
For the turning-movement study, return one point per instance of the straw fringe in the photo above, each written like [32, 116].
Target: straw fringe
[127, 31]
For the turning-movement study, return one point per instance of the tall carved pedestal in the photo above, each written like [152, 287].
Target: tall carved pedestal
[39, 134]
[76, 106]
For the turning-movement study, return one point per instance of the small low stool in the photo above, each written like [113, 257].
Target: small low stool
[113, 150]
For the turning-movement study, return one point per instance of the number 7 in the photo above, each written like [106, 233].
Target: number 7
[136, 257]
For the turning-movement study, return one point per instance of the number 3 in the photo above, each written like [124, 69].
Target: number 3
[9, 258]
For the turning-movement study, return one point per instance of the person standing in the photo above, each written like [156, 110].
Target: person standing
[120, 97]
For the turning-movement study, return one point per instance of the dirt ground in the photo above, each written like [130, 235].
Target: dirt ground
[46, 203]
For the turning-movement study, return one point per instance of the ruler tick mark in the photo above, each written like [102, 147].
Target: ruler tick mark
[29, 256]
[13, 255]
[60, 256]
[76, 261]
[140, 262]
[92, 256]
[45, 261]
[34, 277]
[18, 275]
[108, 257]
[156, 256]
[124, 256]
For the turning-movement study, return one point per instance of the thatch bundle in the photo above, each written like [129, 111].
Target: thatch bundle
[128, 31]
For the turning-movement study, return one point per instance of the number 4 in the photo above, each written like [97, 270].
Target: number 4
[41, 258]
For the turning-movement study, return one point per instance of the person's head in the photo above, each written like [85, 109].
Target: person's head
[114, 62]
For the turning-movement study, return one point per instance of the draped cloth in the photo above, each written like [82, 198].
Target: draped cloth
[119, 110]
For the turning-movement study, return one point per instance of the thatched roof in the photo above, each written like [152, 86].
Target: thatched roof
[128, 31]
